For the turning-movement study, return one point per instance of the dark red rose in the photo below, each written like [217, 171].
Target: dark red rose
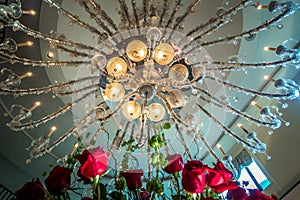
[208, 198]
[58, 179]
[257, 195]
[194, 176]
[237, 194]
[274, 197]
[33, 190]
[133, 178]
[93, 162]
[87, 198]
[219, 178]
[175, 164]
[144, 194]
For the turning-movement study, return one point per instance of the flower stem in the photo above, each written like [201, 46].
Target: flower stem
[98, 191]
[177, 182]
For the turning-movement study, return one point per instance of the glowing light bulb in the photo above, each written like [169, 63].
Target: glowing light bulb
[52, 130]
[157, 112]
[239, 125]
[114, 92]
[131, 110]
[179, 73]
[164, 54]
[136, 50]
[116, 67]
[36, 104]
[50, 54]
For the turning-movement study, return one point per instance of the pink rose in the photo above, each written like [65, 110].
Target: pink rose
[175, 164]
[133, 178]
[58, 179]
[93, 162]
[194, 176]
[33, 190]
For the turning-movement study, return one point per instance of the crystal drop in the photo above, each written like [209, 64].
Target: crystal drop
[28, 161]
[285, 105]
[287, 123]
[270, 132]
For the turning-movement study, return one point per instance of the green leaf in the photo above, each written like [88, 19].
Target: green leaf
[166, 126]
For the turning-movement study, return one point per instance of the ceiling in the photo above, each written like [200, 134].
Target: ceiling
[13, 144]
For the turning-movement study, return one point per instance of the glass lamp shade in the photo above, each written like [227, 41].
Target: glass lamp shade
[156, 112]
[114, 92]
[116, 67]
[179, 73]
[164, 54]
[131, 110]
[136, 50]
[176, 98]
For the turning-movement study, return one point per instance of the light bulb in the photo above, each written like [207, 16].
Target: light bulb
[131, 110]
[176, 98]
[116, 67]
[156, 112]
[179, 73]
[164, 54]
[136, 50]
[114, 92]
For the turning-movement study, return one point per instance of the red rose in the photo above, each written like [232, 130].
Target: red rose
[87, 198]
[194, 176]
[144, 194]
[175, 164]
[93, 162]
[33, 190]
[58, 179]
[208, 198]
[237, 194]
[231, 185]
[133, 178]
[257, 195]
[219, 178]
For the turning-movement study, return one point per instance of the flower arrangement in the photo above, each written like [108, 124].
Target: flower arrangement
[186, 180]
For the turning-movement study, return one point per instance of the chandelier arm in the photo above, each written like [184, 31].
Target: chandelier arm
[83, 122]
[226, 129]
[262, 27]
[165, 143]
[18, 26]
[124, 12]
[94, 17]
[96, 134]
[75, 19]
[134, 8]
[103, 14]
[79, 90]
[33, 124]
[182, 140]
[123, 136]
[171, 111]
[209, 148]
[178, 6]
[164, 11]
[233, 66]
[73, 52]
[40, 63]
[214, 20]
[235, 111]
[191, 9]
[149, 154]
[115, 139]
[145, 9]
[43, 90]
[251, 91]
[118, 107]
[143, 121]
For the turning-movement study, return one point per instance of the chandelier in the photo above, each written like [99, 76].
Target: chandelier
[148, 81]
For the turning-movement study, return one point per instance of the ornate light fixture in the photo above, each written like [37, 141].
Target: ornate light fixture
[147, 77]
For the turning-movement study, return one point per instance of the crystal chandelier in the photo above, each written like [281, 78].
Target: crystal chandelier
[148, 76]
